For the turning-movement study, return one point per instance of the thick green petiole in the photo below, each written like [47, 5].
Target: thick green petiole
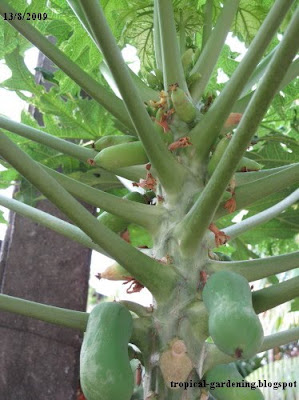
[53, 315]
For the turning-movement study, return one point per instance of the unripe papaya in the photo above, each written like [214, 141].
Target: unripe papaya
[193, 78]
[229, 372]
[247, 165]
[152, 80]
[233, 325]
[218, 153]
[118, 224]
[186, 59]
[114, 272]
[121, 155]
[112, 140]
[184, 107]
[159, 75]
[105, 371]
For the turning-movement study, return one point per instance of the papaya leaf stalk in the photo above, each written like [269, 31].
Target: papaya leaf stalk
[172, 66]
[259, 268]
[169, 171]
[193, 226]
[209, 56]
[55, 224]
[146, 270]
[207, 130]
[235, 230]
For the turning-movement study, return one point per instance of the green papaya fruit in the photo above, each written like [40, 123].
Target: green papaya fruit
[105, 371]
[159, 75]
[229, 374]
[152, 80]
[121, 155]
[118, 224]
[186, 59]
[114, 272]
[233, 324]
[184, 107]
[193, 78]
[247, 165]
[112, 140]
[218, 153]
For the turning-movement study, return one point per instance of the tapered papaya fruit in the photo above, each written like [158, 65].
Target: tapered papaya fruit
[121, 155]
[218, 153]
[247, 165]
[105, 371]
[184, 107]
[234, 386]
[118, 224]
[112, 140]
[233, 324]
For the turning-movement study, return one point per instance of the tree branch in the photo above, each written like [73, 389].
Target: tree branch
[53, 315]
[256, 269]
[55, 224]
[270, 297]
[238, 229]
[63, 146]
[292, 72]
[251, 192]
[248, 177]
[169, 171]
[157, 38]
[215, 356]
[194, 225]
[206, 131]
[108, 100]
[208, 23]
[209, 56]
[147, 216]
[147, 271]
[172, 66]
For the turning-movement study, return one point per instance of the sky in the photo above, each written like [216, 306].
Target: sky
[11, 106]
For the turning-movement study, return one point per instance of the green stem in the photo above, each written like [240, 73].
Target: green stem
[270, 297]
[292, 72]
[262, 217]
[137, 308]
[207, 130]
[157, 37]
[53, 315]
[147, 216]
[182, 34]
[258, 72]
[208, 23]
[61, 145]
[209, 56]
[146, 93]
[251, 192]
[172, 66]
[75, 6]
[260, 268]
[55, 224]
[169, 171]
[248, 177]
[194, 225]
[146, 270]
[108, 100]
[215, 356]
